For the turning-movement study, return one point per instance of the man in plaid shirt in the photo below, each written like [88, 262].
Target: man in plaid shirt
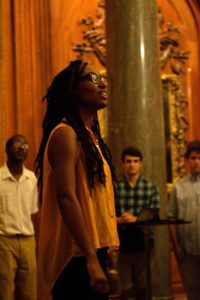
[133, 193]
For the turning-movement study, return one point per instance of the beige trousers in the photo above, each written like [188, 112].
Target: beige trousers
[17, 268]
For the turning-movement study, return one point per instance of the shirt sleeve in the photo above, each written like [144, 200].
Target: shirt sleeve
[117, 202]
[172, 205]
[155, 197]
[35, 199]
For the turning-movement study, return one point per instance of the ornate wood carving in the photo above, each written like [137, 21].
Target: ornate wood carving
[170, 52]
[173, 60]
[94, 40]
[176, 126]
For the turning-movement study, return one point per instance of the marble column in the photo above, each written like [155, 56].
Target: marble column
[136, 109]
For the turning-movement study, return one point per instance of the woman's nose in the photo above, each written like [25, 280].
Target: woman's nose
[103, 83]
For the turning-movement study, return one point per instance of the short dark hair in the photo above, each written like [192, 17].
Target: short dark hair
[193, 146]
[11, 140]
[132, 151]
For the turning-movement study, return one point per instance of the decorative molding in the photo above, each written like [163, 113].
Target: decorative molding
[170, 53]
[173, 60]
[178, 124]
[94, 40]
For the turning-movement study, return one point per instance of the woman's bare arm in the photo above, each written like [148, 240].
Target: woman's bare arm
[62, 153]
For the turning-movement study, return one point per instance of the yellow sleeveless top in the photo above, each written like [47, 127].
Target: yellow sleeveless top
[56, 245]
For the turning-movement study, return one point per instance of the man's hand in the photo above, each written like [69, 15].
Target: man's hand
[126, 217]
[98, 279]
[112, 249]
[179, 253]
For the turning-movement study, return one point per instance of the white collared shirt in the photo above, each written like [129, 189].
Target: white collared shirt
[185, 204]
[18, 201]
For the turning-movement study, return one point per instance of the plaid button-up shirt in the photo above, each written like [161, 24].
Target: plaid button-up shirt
[144, 194]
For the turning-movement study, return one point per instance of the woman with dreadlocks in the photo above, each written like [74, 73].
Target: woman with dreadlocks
[78, 222]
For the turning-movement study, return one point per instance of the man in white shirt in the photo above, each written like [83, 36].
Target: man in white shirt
[185, 204]
[18, 201]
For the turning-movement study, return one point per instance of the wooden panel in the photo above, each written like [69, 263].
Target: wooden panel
[65, 29]
[6, 79]
[186, 15]
[37, 41]
[25, 70]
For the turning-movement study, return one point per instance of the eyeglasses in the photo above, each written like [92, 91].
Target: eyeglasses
[22, 145]
[94, 77]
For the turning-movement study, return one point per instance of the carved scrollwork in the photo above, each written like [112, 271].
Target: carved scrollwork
[170, 54]
[173, 58]
[94, 40]
[178, 124]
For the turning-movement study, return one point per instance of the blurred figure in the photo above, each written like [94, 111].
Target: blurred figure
[18, 201]
[134, 194]
[185, 204]
[78, 222]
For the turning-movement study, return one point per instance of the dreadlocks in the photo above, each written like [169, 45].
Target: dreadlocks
[61, 105]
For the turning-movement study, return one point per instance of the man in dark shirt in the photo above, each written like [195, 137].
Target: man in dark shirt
[133, 194]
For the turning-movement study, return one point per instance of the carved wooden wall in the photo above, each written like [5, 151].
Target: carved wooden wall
[185, 15]
[24, 70]
[36, 41]
[66, 30]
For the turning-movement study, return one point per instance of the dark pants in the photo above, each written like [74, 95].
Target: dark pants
[74, 281]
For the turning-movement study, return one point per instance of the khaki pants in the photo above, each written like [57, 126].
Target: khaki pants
[17, 268]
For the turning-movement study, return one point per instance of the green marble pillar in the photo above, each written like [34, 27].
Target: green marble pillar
[136, 110]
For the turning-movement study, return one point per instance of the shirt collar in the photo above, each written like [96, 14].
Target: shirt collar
[194, 178]
[126, 181]
[6, 174]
